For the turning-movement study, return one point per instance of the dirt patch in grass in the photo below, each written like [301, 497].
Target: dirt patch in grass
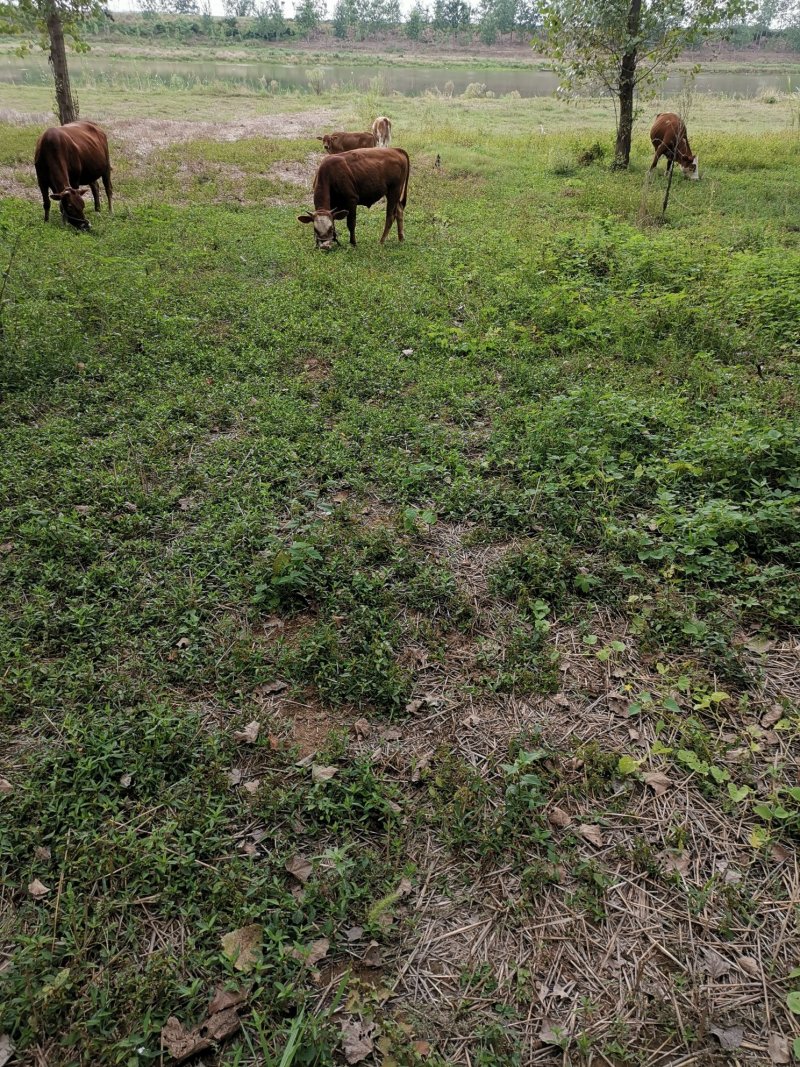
[301, 174]
[307, 723]
[19, 181]
[142, 136]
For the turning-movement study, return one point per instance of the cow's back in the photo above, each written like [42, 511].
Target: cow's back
[369, 172]
[346, 142]
[668, 129]
[80, 148]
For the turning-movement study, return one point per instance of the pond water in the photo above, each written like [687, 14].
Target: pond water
[410, 81]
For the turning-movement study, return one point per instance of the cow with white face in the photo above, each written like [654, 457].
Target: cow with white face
[324, 227]
[361, 177]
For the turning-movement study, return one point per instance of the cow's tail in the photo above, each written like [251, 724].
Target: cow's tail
[404, 193]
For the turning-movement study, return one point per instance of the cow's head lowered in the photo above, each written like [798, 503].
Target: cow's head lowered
[72, 206]
[689, 167]
[324, 226]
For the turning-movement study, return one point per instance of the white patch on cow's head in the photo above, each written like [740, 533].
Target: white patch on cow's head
[324, 226]
[696, 173]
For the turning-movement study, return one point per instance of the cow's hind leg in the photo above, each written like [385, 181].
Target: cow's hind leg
[95, 194]
[391, 214]
[399, 216]
[108, 189]
[659, 153]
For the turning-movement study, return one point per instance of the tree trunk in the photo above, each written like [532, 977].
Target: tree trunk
[627, 85]
[67, 104]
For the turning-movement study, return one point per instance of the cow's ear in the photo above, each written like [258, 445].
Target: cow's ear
[83, 190]
[56, 196]
[320, 138]
[305, 218]
[342, 213]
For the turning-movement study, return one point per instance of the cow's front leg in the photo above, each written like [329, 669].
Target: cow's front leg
[351, 226]
[95, 194]
[45, 191]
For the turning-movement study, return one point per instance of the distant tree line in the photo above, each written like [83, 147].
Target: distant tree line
[769, 24]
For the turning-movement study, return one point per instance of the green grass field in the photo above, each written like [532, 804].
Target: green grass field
[500, 525]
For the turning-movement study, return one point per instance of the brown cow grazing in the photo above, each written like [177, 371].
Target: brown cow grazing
[669, 138]
[382, 129]
[346, 142]
[360, 177]
[66, 157]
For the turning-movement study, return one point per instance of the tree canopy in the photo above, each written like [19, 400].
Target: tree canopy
[623, 46]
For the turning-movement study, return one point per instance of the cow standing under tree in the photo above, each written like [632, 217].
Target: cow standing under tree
[66, 158]
[669, 137]
[362, 177]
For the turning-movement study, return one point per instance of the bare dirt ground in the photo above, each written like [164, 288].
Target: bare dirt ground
[142, 136]
[139, 138]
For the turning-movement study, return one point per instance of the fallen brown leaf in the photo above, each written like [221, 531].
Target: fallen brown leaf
[6, 1049]
[552, 1033]
[658, 781]
[361, 728]
[404, 888]
[677, 861]
[715, 965]
[356, 1040]
[235, 776]
[42, 853]
[372, 957]
[355, 933]
[300, 868]
[243, 946]
[775, 714]
[271, 687]
[185, 503]
[182, 642]
[6, 547]
[313, 953]
[779, 853]
[249, 849]
[392, 734]
[730, 1037]
[253, 785]
[422, 1048]
[559, 818]
[778, 1048]
[226, 998]
[591, 833]
[749, 966]
[38, 889]
[6, 786]
[82, 509]
[322, 774]
[422, 764]
[249, 734]
[560, 699]
[417, 705]
[182, 1044]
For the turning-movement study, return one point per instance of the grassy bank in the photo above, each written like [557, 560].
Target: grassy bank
[494, 535]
